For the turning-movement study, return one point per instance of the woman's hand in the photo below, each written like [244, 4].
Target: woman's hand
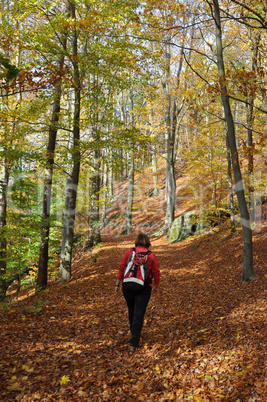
[117, 288]
[156, 289]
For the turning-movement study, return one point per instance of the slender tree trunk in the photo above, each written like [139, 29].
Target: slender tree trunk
[95, 182]
[72, 183]
[95, 236]
[155, 171]
[170, 184]
[230, 186]
[128, 212]
[49, 166]
[110, 184]
[250, 120]
[4, 177]
[4, 163]
[247, 273]
[170, 121]
[105, 194]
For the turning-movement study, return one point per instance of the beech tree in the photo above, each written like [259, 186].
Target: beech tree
[49, 166]
[8, 73]
[73, 179]
[4, 176]
[239, 188]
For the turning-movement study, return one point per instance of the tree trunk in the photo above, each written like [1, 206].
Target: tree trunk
[110, 184]
[4, 177]
[155, 171]
[95, 182]
[72, 183]
[95, 237]
[50, 151]
[170, 185]
[170, 121]
[230, 186]
[250, 120]
[247, 273]
[105, 195]
[128, 212]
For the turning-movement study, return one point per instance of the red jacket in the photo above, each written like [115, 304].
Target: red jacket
[153, 265]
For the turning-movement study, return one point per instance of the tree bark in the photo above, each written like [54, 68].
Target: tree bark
[156, 189]
[128, 212]
[105, 194]
[49, 166]
[170, 122]
[250, 120]
[4, 177]
[95, 236]
[95, 182]
[230, 186]
[247, 273]
[72, 182]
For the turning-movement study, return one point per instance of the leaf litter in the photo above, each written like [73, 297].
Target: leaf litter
[204, 335]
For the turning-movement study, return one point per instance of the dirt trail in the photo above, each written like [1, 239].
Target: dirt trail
[204, 337]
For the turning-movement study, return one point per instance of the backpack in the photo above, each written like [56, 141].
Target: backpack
[136, 268]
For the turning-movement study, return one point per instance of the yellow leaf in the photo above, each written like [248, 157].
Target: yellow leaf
[27, 368]
[197, 398]
[14, 387]
[64, 379]
[80, 393]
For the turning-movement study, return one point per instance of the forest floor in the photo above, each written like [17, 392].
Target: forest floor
[204, 335]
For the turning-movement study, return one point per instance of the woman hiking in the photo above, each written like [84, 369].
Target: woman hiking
[137, 269]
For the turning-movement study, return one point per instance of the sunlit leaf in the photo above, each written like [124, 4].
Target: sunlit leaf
[64, 379]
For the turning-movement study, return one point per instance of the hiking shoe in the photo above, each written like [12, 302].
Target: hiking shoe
[132, 349]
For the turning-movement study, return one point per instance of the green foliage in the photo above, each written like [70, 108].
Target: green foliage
[37, 308]
[24, 194]
[10, 71]
[212, 215]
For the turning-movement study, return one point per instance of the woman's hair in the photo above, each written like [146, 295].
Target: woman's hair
[142, 240]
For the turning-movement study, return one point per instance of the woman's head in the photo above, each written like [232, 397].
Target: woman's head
[142, 240]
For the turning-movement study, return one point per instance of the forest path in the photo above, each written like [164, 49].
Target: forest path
[203, 336]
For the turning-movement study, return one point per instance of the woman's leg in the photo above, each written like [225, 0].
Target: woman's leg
[129, 297]
[140, 304]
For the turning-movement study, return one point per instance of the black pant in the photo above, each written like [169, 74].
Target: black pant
[137, 301]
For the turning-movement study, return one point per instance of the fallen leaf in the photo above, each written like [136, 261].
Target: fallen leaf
[64, 379]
